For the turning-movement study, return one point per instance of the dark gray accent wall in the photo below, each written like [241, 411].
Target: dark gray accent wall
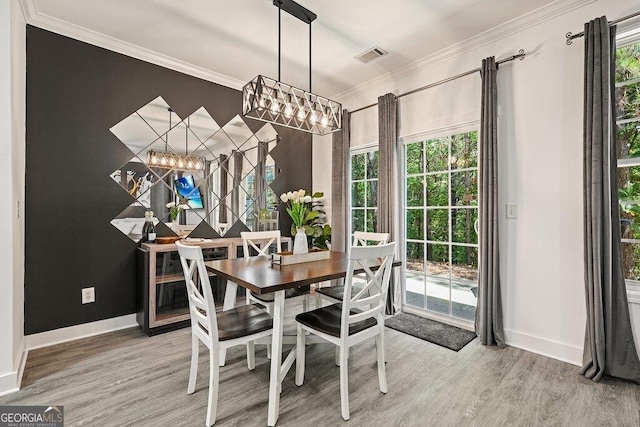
[75, 93]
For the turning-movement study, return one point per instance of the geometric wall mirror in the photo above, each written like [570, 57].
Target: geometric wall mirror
[219, 174]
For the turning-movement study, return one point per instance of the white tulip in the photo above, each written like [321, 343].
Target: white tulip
[171, 204]
[307, 199]
[301, 193]
[290, 195]
[284, 197]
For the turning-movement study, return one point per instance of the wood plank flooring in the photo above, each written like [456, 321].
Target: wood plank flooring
[126, 378]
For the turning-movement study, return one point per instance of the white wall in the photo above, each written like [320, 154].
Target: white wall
[12, 148]
[540, 134]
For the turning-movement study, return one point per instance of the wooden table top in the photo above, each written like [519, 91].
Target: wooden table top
[260, 276]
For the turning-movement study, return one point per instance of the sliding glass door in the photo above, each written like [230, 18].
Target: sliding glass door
[441, 212]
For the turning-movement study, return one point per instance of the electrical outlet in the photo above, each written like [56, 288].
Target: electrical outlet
[88, 295]
[512, 211]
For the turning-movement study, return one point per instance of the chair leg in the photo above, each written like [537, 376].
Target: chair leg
[214, 379]
[382, 375]
[318, 300]
[344, 382]
[193, 372]
[269, 309]
[337, 355]
[300, 355]
[306, 302]
[251, 355]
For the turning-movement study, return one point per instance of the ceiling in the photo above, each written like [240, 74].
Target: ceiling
[239, 38]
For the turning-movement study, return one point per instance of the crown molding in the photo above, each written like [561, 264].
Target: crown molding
[507, 29]
[38, 19]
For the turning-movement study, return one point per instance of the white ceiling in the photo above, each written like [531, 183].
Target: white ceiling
[238, 38]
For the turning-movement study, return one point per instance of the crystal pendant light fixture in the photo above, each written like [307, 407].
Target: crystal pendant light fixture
[275, 102]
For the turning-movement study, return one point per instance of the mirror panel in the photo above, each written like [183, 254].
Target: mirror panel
[218, 175]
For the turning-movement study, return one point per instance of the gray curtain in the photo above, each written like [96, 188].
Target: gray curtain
[488, 323]
[261, 176]
[387, 219]
[237, 159]
[340, 143]
[224, 176]
[609, 348]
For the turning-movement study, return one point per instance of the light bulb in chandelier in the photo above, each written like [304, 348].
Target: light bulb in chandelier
[172, 162]
[288, 111]
[274, 106]
[198, 165]
[163, 161]
[325, 120]
[301, 113]
[190, 164]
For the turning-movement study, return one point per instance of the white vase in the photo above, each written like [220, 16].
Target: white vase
[300, 242]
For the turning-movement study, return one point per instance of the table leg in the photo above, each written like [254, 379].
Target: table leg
[229, 302]
[276, 358]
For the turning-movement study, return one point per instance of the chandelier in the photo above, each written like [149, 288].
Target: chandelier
[275, 102]
[170, 160]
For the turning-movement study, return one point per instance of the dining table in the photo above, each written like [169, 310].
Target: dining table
[262, 276]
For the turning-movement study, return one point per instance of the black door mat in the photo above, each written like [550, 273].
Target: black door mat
[448, 336]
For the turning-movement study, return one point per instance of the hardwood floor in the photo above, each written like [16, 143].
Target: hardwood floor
[126, 378]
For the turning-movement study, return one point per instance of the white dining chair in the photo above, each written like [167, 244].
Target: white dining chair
[358, 318]
[261, 242]
[335, 294]
[217, 331]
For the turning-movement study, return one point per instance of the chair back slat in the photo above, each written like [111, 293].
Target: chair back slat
[201, 303]
[362, 238]
[373, 295]
[260, 241]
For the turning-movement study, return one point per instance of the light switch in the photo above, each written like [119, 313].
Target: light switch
[512, 211]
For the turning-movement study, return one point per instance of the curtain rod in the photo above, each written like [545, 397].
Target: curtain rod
[520, 56]
[570, 36]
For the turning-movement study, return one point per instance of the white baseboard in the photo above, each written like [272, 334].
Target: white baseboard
[57, 336]
[10, 382]
[544, 347]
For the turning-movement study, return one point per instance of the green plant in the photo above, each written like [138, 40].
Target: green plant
[307, 211]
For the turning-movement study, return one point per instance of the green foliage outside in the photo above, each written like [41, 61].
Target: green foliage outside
[627, 99]
[364, 191]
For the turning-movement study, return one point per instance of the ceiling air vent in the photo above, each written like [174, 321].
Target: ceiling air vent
[371, 54]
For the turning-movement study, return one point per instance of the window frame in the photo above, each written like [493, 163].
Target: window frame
[353, 151]
[447, 131]
[624, 39]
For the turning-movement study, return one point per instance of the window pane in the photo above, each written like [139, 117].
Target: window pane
[357, 220]
[415, 224]
[464, 150]
[415, 160]
[628, 139]
[357, 194]
[372, 164]
[371, 220]
[438, 294]
[415, 191]
[630, 220]
[415, 289]
[438, 225]
[372, 193]
[627, 64]
[437, 186]
[437, 260]
[415, 256]
[627, 101]
[631, 260]
[462, 225]
[464, 188]
[357, 166]
[437, 156]
[464, 262]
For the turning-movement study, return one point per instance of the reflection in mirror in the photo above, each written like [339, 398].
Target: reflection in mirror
[219, 175]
